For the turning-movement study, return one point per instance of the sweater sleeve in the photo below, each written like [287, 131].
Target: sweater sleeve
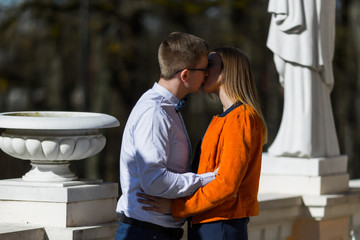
[236, 139]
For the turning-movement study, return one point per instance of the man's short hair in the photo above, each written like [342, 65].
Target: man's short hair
[179, 51]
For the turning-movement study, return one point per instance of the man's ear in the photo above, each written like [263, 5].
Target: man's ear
[184, 76]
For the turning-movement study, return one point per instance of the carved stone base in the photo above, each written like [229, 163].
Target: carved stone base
[314, 176]
[313, 185]
[49, 172]
[76, 204]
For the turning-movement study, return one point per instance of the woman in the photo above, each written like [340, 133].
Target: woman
[233, 145]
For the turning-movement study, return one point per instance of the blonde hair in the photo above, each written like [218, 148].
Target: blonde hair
[238, 81]
[179, 51]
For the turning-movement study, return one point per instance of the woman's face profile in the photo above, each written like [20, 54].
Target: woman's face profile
[213, 80]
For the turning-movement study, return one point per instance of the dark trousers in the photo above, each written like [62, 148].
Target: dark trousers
[233, 229]
[129, 232]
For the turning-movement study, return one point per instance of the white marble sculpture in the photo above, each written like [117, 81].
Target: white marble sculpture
[301, 36]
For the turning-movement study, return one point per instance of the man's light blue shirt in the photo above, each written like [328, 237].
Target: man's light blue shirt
[155, 157]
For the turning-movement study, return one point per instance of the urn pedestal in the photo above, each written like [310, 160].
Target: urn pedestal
[50, 196]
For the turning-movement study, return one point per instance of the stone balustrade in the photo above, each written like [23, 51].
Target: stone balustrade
[282, 217]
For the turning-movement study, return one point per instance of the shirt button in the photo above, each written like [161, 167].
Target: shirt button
[235, 196]
[154, 237]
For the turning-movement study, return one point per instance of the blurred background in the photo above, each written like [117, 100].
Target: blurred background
[101, 55]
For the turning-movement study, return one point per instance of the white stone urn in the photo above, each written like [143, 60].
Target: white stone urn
[50, 140]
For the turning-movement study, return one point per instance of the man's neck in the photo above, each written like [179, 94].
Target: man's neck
[174, 86]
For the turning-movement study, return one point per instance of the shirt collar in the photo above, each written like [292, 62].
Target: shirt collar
[165, 93]
[232, 107]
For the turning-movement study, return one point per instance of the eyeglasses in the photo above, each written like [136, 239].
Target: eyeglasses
[205, 70]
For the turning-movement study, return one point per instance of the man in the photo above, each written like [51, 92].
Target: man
[156, 150]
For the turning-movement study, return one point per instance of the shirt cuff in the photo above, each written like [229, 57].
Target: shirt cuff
[206, 178]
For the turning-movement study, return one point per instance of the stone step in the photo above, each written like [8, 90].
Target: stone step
[17, 232]
[29, 232]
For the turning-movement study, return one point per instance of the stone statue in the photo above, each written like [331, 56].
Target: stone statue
[302, 36]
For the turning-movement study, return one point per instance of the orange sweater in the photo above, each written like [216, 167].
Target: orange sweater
[234, 144]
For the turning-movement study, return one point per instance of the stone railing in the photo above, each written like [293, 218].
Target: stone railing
[297, 217]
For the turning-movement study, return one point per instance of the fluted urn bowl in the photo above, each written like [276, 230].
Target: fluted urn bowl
[50, 140]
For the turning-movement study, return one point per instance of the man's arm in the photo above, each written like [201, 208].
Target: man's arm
[152, 143]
